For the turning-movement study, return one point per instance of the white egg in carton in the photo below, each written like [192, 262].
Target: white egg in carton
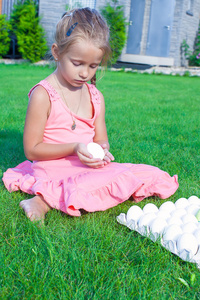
[173, 224]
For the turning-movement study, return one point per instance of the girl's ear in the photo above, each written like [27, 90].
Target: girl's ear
[55, 51]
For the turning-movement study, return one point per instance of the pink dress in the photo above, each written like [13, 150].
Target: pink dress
[68, 185]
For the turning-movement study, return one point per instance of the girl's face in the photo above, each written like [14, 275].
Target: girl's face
[79, 64]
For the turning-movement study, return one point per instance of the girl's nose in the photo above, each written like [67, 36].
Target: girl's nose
[84, 72]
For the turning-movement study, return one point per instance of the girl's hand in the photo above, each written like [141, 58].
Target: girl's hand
[87, 159]
[108, 156]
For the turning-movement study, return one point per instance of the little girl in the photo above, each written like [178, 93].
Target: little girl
[64, 114]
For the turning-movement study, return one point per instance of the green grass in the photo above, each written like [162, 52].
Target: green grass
[151, 119]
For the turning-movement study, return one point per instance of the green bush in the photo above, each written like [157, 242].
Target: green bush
[194, 59]
[29, 33]
[4, 35]
[114, 15]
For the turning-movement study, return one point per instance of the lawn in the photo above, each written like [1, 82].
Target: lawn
[151, 119]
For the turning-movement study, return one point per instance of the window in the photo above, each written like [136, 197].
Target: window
[7, 6]
[82, 3]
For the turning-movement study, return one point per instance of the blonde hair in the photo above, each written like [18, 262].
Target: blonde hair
[83, 23]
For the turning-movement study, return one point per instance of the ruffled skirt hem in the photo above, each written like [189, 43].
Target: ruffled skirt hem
[85, 191]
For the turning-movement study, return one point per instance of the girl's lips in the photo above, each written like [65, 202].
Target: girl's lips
[80, 81]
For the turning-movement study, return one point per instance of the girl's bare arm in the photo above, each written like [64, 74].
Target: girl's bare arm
[36, 118]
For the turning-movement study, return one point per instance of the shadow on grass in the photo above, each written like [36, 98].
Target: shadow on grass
[12, 153]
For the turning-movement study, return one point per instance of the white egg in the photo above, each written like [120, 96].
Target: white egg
[146, 219]
[189, 218]
[172, 232]
[158, 225]
[163, 214]
[179, 212]
[181, 203]
[168, 206]
[192, 209]
[187, 242]
[96, 150]
[197, 235]
[134, 213]
[194, 200]
[174, 220]
[150, 208]
[189, 227]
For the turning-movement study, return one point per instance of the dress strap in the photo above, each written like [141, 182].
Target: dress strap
[53, 95]
[94, 93]
[95, 97]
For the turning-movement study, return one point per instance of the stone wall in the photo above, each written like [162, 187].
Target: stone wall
[185, 27]
[51, 12]
[175, 34]
[145, 27]
[190, 24]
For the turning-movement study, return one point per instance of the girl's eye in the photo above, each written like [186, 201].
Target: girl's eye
[76, 64]
[93, 66]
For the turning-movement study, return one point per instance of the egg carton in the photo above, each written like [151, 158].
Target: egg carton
[175, 225]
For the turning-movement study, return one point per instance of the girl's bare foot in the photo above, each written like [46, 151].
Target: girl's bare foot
[35, 208]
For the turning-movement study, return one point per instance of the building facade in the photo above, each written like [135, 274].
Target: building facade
[155, 32]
